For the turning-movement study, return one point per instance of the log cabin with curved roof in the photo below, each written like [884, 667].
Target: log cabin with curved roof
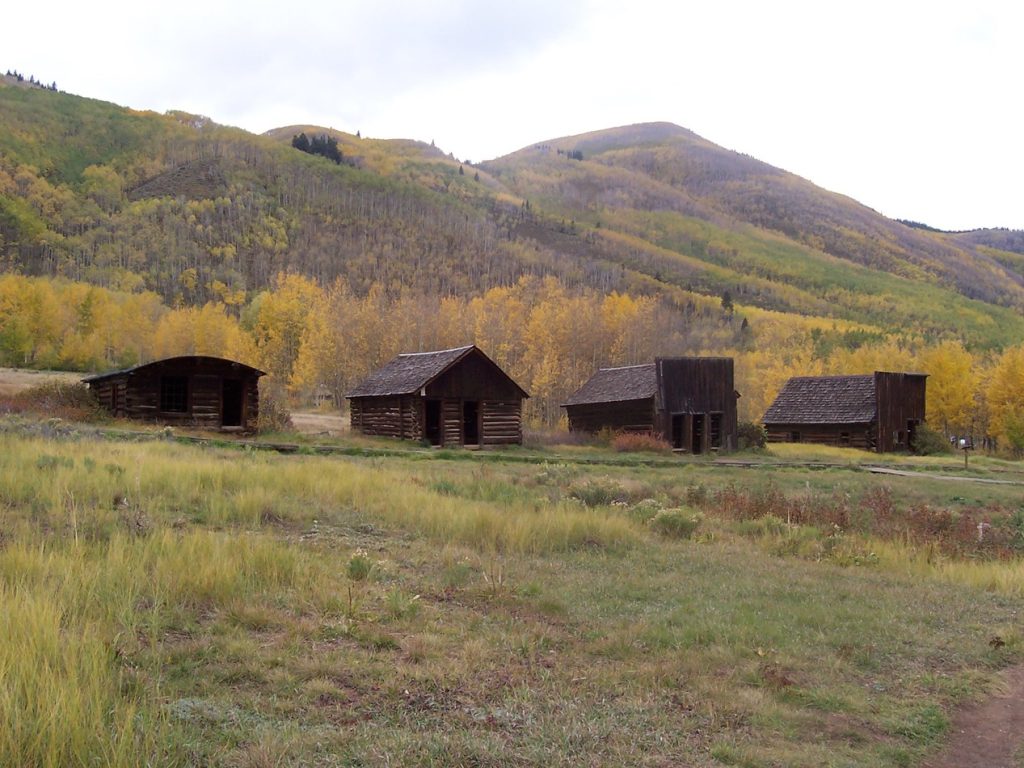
[193, 390]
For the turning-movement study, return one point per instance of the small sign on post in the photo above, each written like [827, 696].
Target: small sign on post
[966, 445]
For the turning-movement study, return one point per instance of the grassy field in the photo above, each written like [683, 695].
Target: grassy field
[197, 605]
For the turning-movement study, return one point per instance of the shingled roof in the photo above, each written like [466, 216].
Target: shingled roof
[408, 373]
[614, 385]
[825, 400]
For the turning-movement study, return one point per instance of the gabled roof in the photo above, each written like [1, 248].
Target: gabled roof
[825, 400]
[183, 360]
[408, 373]
[615, 385]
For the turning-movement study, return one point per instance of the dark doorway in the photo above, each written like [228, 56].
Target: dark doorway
[911, 433]
[432, 425]
[231, 404]
[471, 422]
[697, 443]
[716, 431]
[677, 431]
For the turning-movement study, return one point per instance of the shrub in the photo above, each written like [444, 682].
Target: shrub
[274, 414]
[751, 436]
[640, 441]
[360, 566]
[59, 398]
[676, 523]
[929, 442]
[645, 510]
[594, 493]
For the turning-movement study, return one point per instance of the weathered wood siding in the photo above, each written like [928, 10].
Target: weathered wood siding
[400, 417]
[624, 416]
[135, 394]
[697, 386]
[863, 436]
[901, 404]
[451, 422]
[502, 422]
[474, 379]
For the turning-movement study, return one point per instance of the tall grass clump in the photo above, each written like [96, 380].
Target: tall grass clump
[61, 701]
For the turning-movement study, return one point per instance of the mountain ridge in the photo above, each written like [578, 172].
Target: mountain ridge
[179, 204]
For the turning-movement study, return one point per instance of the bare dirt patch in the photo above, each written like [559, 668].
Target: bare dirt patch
[312, 423]
[991, 733]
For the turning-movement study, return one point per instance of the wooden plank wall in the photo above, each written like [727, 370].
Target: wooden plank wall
[624, 416]
[695, 385]
[901, 399]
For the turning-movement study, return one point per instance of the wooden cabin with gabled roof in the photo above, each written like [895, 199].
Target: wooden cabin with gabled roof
[192, 390]
[878, 411]
[689, 402]
[451, 397]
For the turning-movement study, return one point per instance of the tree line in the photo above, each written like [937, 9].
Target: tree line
[314, 339]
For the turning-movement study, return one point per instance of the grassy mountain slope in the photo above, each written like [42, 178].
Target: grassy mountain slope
[197, 211]
[794, 246]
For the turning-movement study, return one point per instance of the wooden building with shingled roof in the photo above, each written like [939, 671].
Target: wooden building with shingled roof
[451, 397]
[875, 412]
[689, 402]
[191, 390]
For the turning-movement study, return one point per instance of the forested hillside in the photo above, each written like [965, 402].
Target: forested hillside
[600, 249]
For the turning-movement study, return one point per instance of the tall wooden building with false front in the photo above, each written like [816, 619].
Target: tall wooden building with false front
[875, 412]
[689, 402]
[208, 392]
[450, 397]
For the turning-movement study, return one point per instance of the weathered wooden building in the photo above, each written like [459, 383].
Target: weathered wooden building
[449, 397]
[195, 390]
[688, 401]
[875, 412]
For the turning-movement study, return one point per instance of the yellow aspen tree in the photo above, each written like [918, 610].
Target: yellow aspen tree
[1005, 399]
[953, 386]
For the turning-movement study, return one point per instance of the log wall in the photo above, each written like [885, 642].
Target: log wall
[861, 436]
[135, 394]
[502, 422]
[623, 416]
[404, 417]
[400, 417]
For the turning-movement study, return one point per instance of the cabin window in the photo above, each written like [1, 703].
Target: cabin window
[174, 394]
[794, 437]
[716, 430]
[897, 437]
[844, 438]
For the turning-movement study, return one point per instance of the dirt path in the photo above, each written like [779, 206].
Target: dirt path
[933, 476]
[989, 734]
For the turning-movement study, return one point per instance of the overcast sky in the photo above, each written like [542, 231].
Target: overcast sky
[912, 108]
